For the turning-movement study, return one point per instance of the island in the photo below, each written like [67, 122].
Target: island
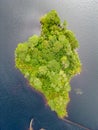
[49, 61]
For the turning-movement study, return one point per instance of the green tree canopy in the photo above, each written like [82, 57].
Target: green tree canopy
[50, 60]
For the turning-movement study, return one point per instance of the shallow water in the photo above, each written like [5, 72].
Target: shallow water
[18, 102]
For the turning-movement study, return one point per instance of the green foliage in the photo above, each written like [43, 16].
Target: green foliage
[50, 60]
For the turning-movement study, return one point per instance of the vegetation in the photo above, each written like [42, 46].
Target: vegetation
[50, 60]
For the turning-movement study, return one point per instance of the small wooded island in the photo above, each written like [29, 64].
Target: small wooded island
[49, 61]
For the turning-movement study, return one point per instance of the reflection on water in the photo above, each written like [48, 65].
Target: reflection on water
[18, 103]
[78, 91]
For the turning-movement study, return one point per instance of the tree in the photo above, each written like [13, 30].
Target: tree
[50, 60]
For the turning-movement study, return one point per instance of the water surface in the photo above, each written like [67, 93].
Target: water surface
[18, 102]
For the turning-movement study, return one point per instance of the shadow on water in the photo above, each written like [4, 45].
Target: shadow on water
[18, 102]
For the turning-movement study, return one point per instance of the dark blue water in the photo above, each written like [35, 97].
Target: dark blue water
[18, 102]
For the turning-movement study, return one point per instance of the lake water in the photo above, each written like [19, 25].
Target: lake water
[18, 102]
